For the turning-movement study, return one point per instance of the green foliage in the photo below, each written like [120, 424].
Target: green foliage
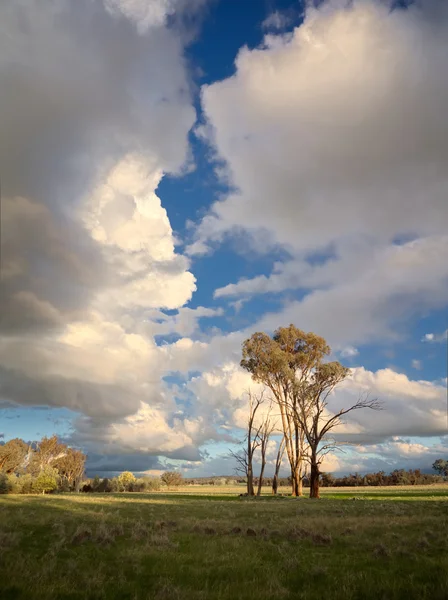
[441, 466]
[125, 481]
[46, 480]
[171, 478]
[4, 486]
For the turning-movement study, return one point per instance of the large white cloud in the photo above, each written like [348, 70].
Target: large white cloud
[93, 113]
[337, 129]
[334, 141]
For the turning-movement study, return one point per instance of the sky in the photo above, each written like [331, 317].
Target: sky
[178, 174]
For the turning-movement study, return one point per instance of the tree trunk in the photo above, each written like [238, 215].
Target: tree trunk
[294, 483]
[275, 484]
[250, 481]
[296, 479]
[314, 480]
[260, 480]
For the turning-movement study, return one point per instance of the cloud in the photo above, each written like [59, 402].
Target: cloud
[147, 14]
[416, 364]
[339, 128]
[143, 13]
[276, 21]
[349, 352]
[360, 300]
[92, 116]
[410, 407]
[435, 338]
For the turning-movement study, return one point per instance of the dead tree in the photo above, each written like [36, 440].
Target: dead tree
[278, 464]
[252, 440]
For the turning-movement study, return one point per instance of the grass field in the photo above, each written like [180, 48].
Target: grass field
[392, 543]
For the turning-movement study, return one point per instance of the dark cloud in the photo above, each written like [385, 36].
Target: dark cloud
[79, 89]
[97, 400]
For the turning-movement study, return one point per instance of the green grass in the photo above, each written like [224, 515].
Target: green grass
[390, 544]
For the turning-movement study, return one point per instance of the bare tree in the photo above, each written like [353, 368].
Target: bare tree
[252, 442]
[267, 427]
[314, 419]
[278, 464]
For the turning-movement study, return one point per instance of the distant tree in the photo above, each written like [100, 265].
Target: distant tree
[125, 481]
[71, 467]
[327, 479]
[46, 480]
[46, 452]
[171, 478]
[96, 482]
[13, 456]
[441, 467]
[152, 484]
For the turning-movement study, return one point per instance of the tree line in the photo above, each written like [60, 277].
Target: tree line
[128, 482]
[40, 467]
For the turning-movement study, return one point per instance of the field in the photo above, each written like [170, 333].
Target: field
[374, 543]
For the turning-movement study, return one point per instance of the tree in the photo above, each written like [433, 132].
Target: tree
[291, 365]
[266, 429]
[171, 478]
[252, 441]
[46, 452]
[13, 456]
[283, 363]
[125, 480]
[441, 467]
[313, 417]
[71, 467]
[278, 464]
[46, 481]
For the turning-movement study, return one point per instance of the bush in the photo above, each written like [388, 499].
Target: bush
[104, 486]
[4, 486]
[46, 481]
[26, 484]
[152, 484]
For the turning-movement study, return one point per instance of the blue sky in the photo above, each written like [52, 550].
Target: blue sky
[180, 174]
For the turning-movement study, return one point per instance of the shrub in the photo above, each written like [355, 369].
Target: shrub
[26, 484]
[46, 481]
[104, 485]
[4, 486]
[152, 484]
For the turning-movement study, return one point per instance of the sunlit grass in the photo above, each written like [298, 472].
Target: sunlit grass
[174, 545]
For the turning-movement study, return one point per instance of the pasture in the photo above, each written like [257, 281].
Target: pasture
[200, 543]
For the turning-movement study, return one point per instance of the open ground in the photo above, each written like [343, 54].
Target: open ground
[391, 543]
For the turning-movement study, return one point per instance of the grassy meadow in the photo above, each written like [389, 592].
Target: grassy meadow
[200, 543]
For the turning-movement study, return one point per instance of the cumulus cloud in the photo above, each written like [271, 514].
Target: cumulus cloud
[435, 337]
[362, 297]
[338, 128]
[92, 115]
[410, 407]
